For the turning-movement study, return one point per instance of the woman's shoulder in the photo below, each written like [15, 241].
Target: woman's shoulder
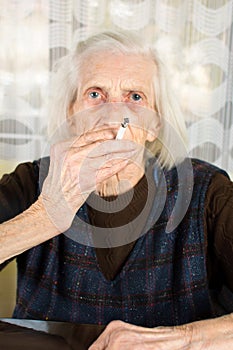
[18, 189]
[204, 166]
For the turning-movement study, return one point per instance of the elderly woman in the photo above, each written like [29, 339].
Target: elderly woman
[156, 267]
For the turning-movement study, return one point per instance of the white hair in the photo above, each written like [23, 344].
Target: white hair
[65, 85]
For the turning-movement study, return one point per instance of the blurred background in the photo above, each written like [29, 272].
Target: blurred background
[194, 36]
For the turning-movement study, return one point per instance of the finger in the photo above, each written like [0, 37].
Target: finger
[81, 141]
[93, 136]
[109, 149]
[110, 170]
[123, 338]
[101, 343]
[149, 334]
[103, 339]
[81, 163]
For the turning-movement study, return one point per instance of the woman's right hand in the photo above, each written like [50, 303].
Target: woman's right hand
[76, 168]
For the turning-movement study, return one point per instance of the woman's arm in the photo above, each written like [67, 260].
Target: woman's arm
[76, 168]
[213, 334]
[18, 191]
[25, 231]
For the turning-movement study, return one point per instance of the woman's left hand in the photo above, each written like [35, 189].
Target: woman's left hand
[214, 334]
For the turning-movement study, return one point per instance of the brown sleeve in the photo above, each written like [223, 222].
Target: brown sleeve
[18, 190]
[219, 229]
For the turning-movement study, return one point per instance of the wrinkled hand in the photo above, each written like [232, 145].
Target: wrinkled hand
[76, 168]
[214, 334]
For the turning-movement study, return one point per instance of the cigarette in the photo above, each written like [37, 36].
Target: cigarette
[122, 129]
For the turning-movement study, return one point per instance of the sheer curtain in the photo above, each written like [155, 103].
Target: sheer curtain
[194, 36]
[23, 77]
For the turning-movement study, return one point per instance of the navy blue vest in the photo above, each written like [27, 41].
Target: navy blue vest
[163, 282]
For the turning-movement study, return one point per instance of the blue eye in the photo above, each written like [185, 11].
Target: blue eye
[94, 94]
[136, 97]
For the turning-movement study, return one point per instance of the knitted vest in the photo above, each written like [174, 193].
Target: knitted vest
[163, 282]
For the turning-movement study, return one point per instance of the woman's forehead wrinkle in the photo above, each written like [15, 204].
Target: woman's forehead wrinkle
[120, 83]
[120, 65]
[117, 75]
[119, 79]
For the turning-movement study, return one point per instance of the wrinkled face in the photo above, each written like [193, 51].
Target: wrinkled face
[112, 78]
[106, 77]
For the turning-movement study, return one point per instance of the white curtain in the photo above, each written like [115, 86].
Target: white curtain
[24, 58]
[194, 36]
